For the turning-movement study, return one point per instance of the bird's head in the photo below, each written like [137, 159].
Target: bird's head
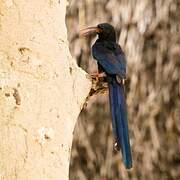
[105, 32]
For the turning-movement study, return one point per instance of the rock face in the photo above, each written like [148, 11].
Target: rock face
[41, 91]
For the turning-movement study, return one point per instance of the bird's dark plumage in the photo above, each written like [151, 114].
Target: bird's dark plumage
[112, 61]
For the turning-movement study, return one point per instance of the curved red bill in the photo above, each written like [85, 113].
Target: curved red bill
[90, 30]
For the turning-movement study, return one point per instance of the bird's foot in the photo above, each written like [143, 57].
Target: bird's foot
[98, 75]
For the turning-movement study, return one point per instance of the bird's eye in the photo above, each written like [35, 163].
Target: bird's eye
[101, 27]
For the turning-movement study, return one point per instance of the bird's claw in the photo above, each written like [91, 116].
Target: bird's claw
[98, 75]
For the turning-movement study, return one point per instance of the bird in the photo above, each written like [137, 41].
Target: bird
[111, 63]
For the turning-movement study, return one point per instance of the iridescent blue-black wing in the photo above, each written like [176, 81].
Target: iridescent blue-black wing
[112, 60]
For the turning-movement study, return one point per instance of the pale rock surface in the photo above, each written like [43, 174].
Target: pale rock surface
[42, 91]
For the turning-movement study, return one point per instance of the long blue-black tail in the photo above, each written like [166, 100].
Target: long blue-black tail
[119, 119]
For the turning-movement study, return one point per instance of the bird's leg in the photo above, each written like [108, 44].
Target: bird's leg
[98, 75]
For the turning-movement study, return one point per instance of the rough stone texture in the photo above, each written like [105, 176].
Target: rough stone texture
[41, 90]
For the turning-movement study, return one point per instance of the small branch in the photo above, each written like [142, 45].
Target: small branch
[99, 86]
